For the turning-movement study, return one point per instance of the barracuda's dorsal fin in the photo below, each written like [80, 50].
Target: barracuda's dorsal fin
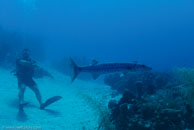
[94, 62]
[95, 76]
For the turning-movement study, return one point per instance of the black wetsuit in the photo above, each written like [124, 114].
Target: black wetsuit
[25, 72]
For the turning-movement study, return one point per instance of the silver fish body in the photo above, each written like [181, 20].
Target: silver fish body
[110, 68]
[98, 69]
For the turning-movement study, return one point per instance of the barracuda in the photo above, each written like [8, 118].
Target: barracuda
[98, 69]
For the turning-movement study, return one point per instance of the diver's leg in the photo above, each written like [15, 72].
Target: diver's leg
[35, 89]
[21, 88]
[21, 93]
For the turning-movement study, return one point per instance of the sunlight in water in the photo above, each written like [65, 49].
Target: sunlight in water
[29, 4]
[29, 7]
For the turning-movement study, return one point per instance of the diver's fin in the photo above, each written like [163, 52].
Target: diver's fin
[50, 101]
[94, 62]
[75, 69]
[95, 76]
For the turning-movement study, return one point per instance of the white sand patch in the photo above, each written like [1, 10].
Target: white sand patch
[73, 112]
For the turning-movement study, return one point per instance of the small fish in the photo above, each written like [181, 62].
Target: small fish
[98, 69]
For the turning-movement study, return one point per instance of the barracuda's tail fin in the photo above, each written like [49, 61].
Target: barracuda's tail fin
[75, 69]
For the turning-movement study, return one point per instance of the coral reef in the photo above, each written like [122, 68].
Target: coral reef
[149, 82]
[153, 101]
[156, 112]
[104, 122]
[186, 78]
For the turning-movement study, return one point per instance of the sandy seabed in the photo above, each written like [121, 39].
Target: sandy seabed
[72, 112]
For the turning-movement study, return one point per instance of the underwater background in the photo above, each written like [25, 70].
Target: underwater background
[158, 34]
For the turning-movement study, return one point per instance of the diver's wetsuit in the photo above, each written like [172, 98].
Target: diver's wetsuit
[25, 73]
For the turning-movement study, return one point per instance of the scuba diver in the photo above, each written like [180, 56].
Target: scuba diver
[25, 69]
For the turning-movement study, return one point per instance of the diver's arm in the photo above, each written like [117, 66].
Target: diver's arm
[28, 63]
[25, 63]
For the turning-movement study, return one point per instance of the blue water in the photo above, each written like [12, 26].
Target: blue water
[158, 33]
[155, 33]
